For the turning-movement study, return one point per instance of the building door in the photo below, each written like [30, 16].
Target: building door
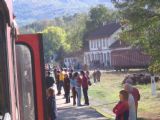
[31, 84]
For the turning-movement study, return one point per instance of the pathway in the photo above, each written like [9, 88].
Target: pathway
[69, 112]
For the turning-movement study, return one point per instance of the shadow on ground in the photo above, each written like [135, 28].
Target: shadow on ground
[80, 113]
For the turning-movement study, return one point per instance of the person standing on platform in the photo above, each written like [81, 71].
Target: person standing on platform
[135, 94]
[98, 75]
[61, 81]
[94, 76]
[121, 110]
[73, 87]
[49, 80]
[67, 88]
[85, 87]
[56, 75]
[51, 104]
[78, 88]
[88, 77]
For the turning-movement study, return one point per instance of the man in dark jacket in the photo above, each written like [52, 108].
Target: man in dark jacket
[67, 88]
[49, 80]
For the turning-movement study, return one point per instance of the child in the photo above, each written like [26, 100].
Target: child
[122, 108]
[51, 101]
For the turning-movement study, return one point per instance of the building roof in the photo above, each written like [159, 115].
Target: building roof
[119, 44]
[105, 31]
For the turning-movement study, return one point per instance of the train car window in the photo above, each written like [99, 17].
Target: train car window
[26, 82]
[4, 84]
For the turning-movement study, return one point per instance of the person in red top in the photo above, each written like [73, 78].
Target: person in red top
[122, 108]
[85, 87]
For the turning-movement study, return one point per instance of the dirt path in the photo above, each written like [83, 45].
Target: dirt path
[69, 112]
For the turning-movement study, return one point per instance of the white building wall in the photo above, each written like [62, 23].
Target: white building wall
[101, 56]
[99, 49]
[103, 43]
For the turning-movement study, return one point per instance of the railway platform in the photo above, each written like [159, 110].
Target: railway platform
[70, 112]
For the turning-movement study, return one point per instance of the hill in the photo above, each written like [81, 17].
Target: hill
[28, 11]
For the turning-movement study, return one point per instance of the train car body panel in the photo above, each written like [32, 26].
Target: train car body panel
[8, 9]
[34, 43]
[10, 90]
[7, 40]
[129, 58]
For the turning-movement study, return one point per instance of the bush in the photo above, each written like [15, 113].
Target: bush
[135, 79]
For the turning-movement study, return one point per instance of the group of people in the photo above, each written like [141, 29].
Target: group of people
[75, 82]
[69, 81]
[126, 108]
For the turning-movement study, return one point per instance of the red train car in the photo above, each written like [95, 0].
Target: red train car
[22, 85]
[129, 58]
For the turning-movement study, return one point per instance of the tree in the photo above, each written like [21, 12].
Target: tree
[98, 16]
[54, 39]
[142, 18]
[76, 31]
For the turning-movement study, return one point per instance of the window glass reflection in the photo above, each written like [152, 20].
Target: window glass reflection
[26, 84]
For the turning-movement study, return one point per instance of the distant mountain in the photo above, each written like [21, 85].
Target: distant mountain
[28, 11]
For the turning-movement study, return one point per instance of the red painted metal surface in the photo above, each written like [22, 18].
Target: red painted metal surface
[33, 41]
[130, 58]
[8, 13]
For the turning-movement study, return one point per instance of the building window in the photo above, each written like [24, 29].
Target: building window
[106, 40]
[101, 43]
[104, 43]
[92, 57]
[92, 45]
[108, 59]
[95, 43]
[26, 82]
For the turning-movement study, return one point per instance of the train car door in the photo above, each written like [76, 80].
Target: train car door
[30, 73]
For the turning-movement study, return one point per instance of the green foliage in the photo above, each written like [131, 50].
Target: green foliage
[143, 26]
[99, 16]
[155, 67]
[75, 29]
[54, 39]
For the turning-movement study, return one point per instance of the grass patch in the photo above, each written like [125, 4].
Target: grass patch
[106, 93]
